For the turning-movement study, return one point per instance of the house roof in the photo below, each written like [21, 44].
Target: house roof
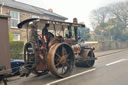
[29, 8]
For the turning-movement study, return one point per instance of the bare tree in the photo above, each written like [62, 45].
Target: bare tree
[111, 21]
[120, 11]
[99, 16]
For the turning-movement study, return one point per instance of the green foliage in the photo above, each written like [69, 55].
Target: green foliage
[84, 33]
[111, 22]
[111, 30]
[10, 36]
[16, 49]
[124, 36]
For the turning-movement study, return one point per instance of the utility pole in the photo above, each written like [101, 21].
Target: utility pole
[1, 9]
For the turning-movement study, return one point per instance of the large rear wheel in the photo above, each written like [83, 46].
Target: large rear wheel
[60, 59]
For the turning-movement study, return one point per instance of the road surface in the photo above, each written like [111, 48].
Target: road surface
[108, 70]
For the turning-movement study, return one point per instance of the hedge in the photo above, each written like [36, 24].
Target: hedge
[16, 49]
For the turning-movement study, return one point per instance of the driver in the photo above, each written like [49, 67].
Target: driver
[45, 34]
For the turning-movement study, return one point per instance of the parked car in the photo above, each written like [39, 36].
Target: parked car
[15, 66]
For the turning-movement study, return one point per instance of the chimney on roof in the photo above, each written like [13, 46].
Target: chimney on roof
[50, 10]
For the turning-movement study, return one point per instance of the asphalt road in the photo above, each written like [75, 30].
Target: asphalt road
[108, 70]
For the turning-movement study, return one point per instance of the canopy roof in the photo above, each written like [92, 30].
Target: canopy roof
[44, 21]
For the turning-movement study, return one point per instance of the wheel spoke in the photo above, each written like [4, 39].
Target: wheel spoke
[68, 60]
[63, 69]
[67, 65]
[58, 55]
[58, 64]
[63, 50]
[67, 55]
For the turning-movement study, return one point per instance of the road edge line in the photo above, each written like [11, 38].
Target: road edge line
[115, 62]
[71, 76]
[112, 53]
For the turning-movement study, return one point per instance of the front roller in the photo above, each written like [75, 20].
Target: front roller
[60, 59]
[87, 58]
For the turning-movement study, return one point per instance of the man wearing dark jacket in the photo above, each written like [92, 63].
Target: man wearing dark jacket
[45, 34]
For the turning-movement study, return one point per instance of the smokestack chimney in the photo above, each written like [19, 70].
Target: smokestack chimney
[50, 10]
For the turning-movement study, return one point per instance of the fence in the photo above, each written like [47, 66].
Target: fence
[109, 45]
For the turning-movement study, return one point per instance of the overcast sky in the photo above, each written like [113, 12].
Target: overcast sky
[72, 8]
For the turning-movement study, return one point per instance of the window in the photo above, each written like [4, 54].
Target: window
[16, 37]
[34, 16]
[15, 18]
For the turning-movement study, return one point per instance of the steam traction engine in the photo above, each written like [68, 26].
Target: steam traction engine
[60, 51]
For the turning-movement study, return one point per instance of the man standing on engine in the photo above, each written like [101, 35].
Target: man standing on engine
[45, 35]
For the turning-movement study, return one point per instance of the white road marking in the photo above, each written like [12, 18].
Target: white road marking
[113, 53]
[115, 62]
[70, 77]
